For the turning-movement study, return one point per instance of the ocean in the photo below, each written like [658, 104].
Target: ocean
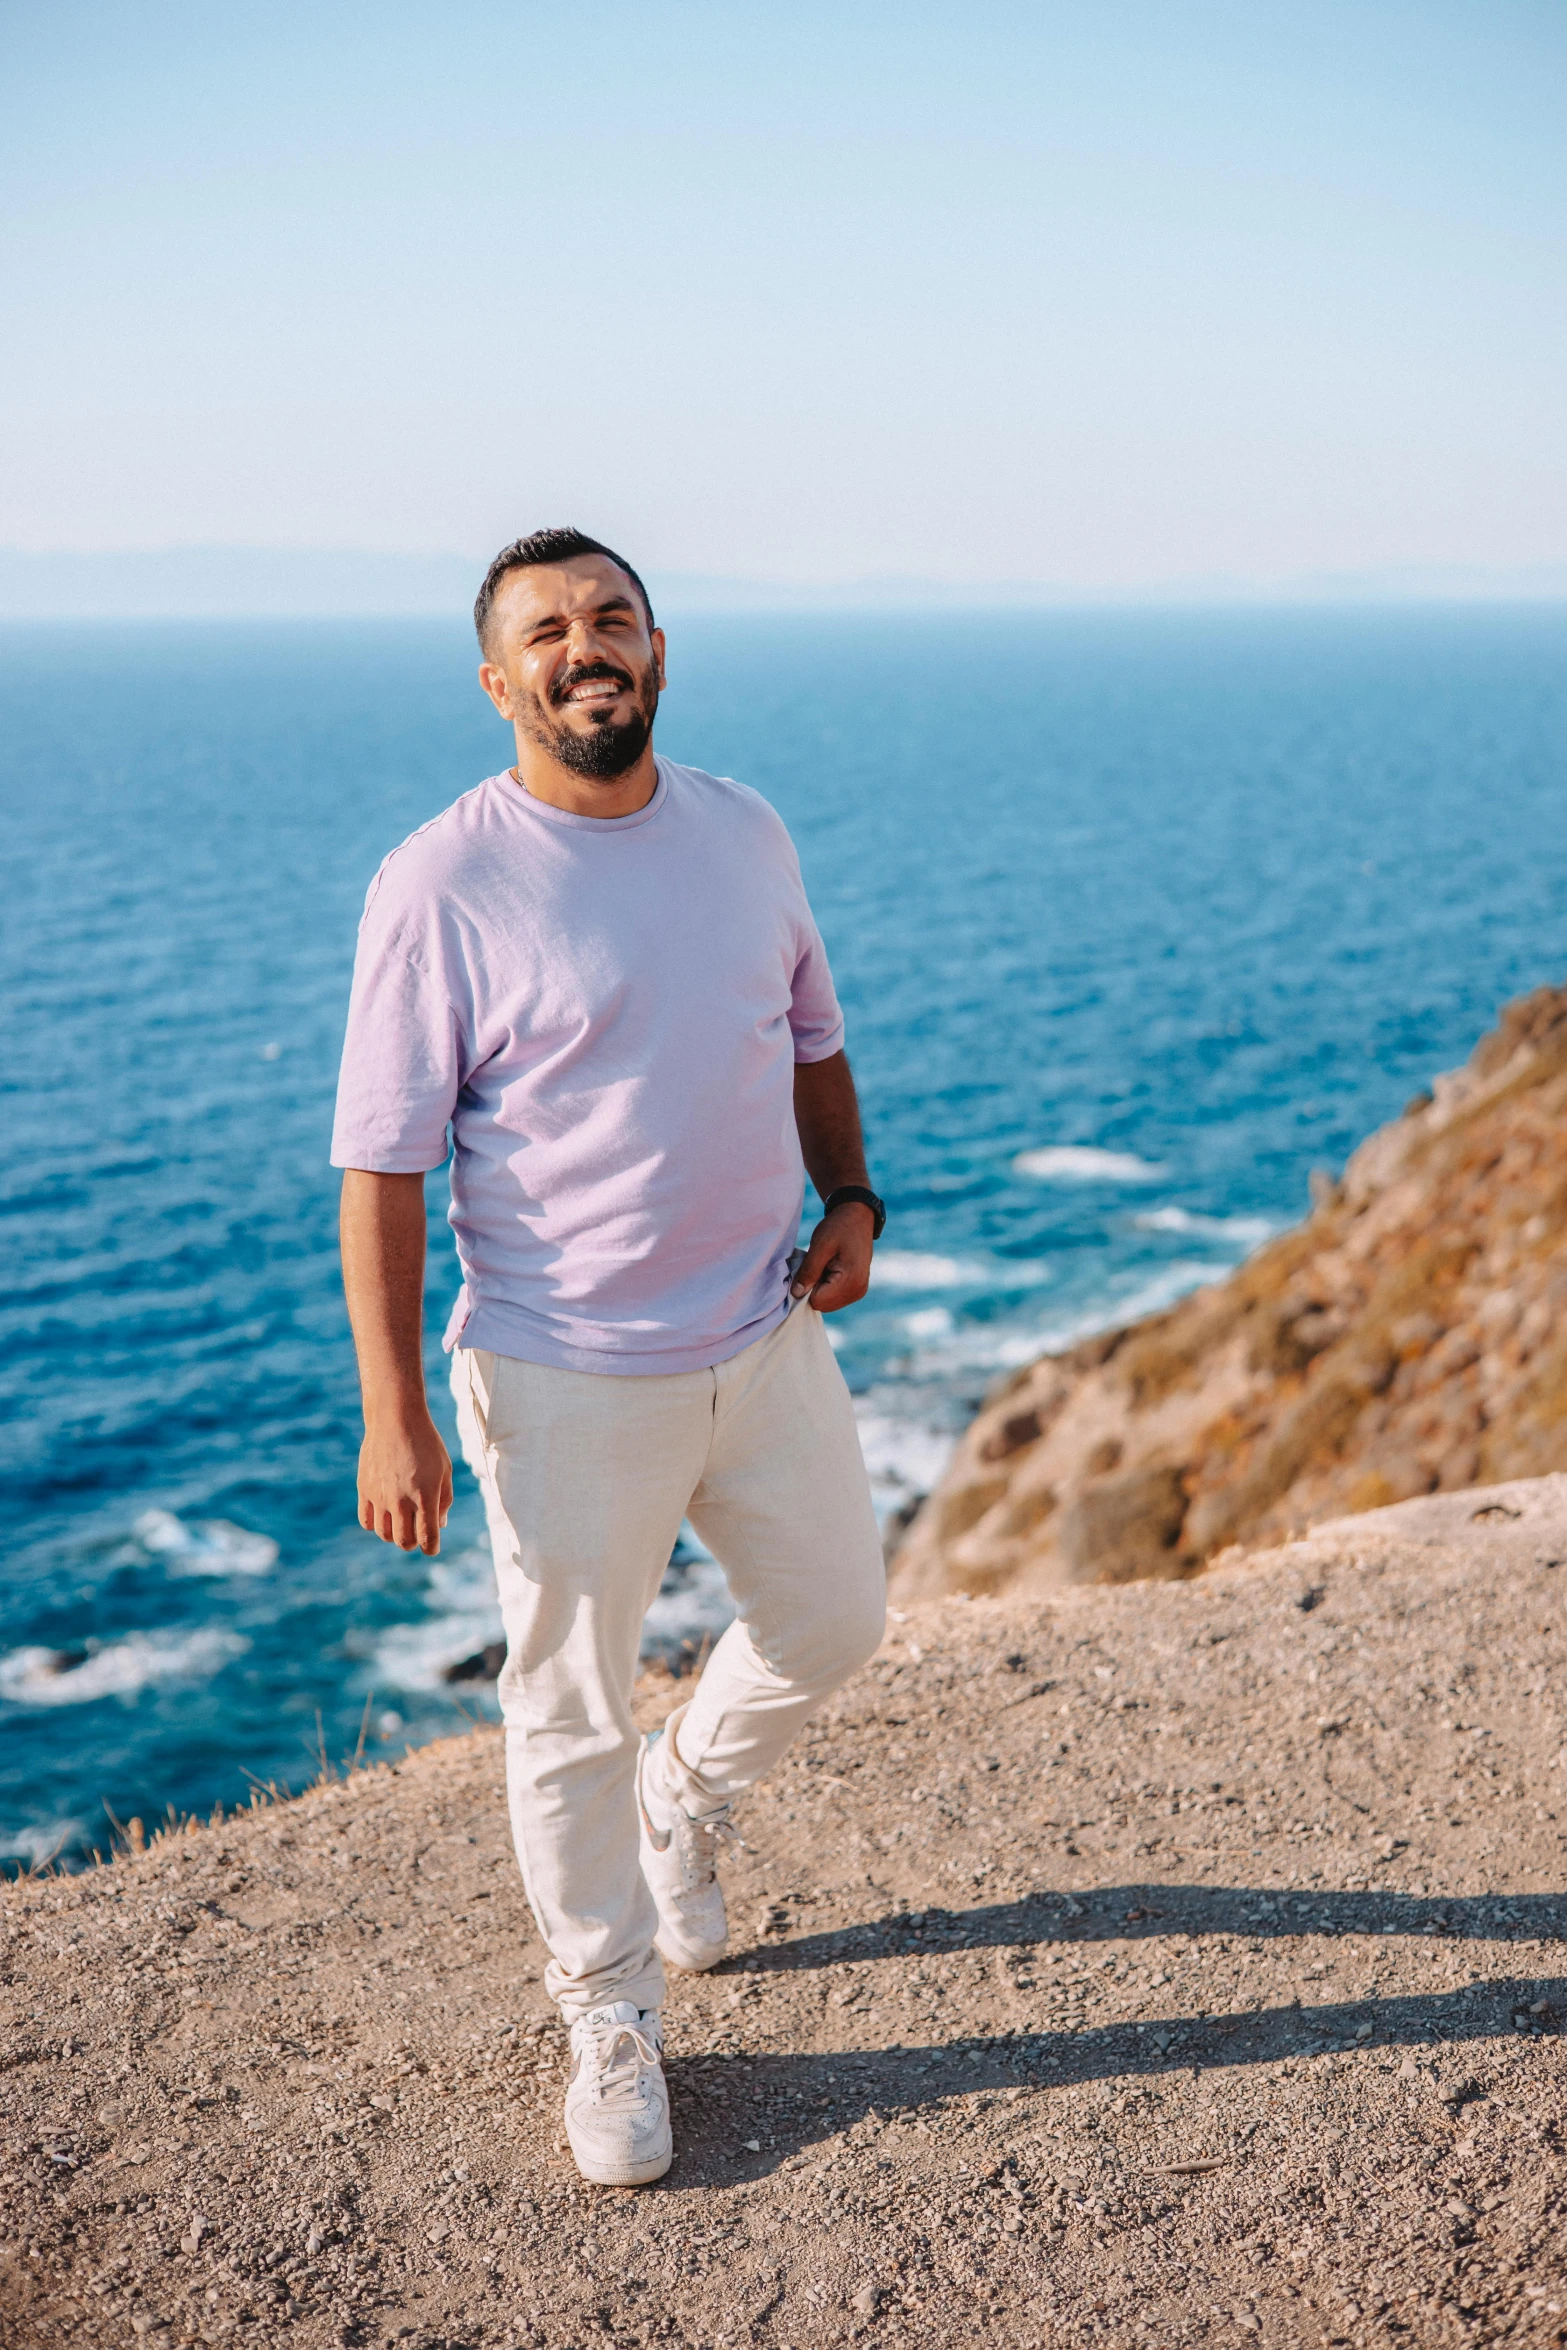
[1137, 920]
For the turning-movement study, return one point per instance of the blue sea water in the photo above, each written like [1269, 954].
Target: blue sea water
[1136, 919]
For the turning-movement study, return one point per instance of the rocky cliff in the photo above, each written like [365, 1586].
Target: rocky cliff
[1409, 1336]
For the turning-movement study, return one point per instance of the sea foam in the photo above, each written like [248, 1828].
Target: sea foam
[1245, 1231]
[204, 1546]
[912, 1268]
[904, 1456]
[997, 1347]
[1073, 1162]
[115, 1668]
[36, 1842]
[919, 1269]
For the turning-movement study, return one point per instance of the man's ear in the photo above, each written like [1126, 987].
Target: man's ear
[493, 682]
[657, 642]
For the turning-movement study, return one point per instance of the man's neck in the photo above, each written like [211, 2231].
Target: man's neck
[544, 778]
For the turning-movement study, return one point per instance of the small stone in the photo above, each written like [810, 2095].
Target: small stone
[751, 2145]
[1362, 2031]
[869, 2299]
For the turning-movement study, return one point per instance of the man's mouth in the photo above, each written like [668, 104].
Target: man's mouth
[589, 691]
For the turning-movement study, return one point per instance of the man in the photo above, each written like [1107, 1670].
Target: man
[601, 971]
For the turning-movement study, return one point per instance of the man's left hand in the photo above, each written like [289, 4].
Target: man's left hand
[837, 1267]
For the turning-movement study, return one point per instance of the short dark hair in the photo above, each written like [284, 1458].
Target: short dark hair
[547, 546]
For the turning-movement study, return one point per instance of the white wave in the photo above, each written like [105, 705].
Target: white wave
[464, 1580]
[912, 1268]
[996, 1347]
[1245, 1231]
[1164, 1288]
[115, 1668]
[693, 1600]
[905, 1457]
[418, 1656]
[1073, 1162]
[929, 1322]
[206, 1546]
[40, 1840]
[465, 1617]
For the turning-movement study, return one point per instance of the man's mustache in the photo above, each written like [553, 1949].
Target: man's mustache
[585, 671]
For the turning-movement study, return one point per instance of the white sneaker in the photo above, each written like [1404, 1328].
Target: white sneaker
[617, 2104]
[680, 1863]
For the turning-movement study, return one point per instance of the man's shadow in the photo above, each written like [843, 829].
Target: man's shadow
[1125, 1913]
[790, 2102]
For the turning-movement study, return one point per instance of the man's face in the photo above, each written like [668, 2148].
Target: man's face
[572, 662]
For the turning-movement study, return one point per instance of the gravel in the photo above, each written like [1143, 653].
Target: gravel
[1171, 1963]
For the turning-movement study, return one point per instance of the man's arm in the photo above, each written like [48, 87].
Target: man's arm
[837, 1267]
[405, 1476]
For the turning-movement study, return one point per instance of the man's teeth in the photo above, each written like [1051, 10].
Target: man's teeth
[597, 689]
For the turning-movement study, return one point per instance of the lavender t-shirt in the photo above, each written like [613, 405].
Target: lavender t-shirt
[607, 1012]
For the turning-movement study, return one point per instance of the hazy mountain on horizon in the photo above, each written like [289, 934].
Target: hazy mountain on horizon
[215, 582]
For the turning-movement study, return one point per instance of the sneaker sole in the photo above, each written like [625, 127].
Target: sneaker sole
[687, 1960]
[624, 2174]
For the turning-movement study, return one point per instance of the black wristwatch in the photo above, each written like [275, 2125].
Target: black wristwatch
[866, 1199]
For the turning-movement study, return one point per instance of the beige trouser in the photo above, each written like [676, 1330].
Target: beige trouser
[586, 1478]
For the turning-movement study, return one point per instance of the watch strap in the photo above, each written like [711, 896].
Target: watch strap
[857, 1194]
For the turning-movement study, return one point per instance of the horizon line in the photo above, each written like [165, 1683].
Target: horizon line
[208, 580]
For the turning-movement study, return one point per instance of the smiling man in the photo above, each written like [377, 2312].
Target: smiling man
[599, 970]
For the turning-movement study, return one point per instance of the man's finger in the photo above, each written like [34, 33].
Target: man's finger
[429, 1528]
[839, 1286]
[817, 1259]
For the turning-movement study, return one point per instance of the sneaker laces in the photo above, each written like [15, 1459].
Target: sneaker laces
[697, 1837]
[619, 2054]
[700, 1842]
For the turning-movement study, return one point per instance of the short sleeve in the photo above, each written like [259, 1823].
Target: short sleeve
[403, 1055]
[815, 1020]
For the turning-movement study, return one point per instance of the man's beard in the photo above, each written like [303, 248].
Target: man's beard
[606, 750]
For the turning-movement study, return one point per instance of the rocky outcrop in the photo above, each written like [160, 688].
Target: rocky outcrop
[1411, 1335]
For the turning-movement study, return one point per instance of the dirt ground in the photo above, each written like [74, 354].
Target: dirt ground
[1164, 1964]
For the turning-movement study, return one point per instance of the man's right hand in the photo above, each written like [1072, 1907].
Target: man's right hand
[405, 1482]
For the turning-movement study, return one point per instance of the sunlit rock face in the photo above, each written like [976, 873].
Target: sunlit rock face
[1409, 1337]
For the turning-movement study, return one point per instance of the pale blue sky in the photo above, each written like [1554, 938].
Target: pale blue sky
[1094, 294]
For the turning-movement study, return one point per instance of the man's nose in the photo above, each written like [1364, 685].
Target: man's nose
[583, 644]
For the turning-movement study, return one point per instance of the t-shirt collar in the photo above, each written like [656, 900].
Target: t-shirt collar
[545, 814]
